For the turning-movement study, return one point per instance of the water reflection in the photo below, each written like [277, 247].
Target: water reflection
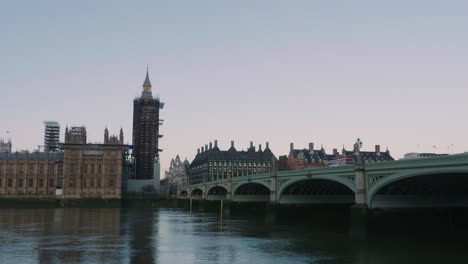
[140, 224]
[114, 235]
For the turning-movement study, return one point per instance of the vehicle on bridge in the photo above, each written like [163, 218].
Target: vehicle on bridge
[341, 162]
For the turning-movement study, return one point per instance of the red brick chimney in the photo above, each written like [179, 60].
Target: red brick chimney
[377, 149]
[311, 146]
[335, 152]
[291, 147]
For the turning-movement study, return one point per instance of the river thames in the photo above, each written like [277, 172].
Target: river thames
[157, 235]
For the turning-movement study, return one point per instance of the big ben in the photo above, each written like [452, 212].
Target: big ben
[146, 131]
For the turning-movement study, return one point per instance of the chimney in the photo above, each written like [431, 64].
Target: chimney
[267, 145]
[291, 147]
[251, 144]
[259, 147]
[198, 151]
[377, 149]
[202, 149]
[206, 147]
[311, 146]
[216, 143]
[211, 145]
[335, 152]
[232, 143]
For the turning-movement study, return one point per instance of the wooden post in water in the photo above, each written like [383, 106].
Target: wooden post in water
[190, 205]
[222, 215]
[222, 209]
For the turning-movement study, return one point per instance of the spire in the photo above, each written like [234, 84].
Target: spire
[147, 84]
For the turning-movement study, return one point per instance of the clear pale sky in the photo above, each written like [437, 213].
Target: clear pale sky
[393, 73]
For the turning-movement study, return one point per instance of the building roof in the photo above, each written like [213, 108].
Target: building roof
[370, 156]
[215, 154]
[314, 156]
[31, 156]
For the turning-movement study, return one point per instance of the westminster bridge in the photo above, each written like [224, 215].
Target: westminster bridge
[413, 183]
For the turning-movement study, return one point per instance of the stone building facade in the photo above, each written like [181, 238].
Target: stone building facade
[92, 170]
[211, 163]
[176, 176]
[26, 173]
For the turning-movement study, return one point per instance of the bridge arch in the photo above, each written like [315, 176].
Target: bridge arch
[317, 190]
[348, 183]
[430, 182]
[250, 182]
[197, 191]
[183, 193]
[253, 191]
[216, 193]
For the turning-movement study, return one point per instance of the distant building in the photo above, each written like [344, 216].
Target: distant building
[177, 175]
[146, 132]
[92, 170]
[212, 164]
[5, 146]
[51, 136]
[369, 156]
[316, 158]
[414, 155]
[306, 158]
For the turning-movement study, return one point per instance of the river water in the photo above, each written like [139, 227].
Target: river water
[157, 235]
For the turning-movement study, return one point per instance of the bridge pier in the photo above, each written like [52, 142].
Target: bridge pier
[203, 195]
[274, 187]
[229, 188]
[360, 197]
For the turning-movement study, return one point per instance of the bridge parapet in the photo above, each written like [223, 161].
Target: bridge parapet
[451, 160]
[316, 171]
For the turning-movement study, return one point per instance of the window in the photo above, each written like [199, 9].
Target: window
[99, 168]
[10, 182]
[41, 183]
[30, 182]
[111, 182]
[71, 183]
[51, 182]
[31, 169]
[20, 182]
[92, 168]
[41, 169]
[0, 182]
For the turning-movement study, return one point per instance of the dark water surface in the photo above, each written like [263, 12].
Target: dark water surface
[122, 235]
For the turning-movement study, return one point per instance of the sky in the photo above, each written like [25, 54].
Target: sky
[392, 73]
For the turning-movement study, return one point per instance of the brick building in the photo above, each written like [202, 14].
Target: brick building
[316, 158]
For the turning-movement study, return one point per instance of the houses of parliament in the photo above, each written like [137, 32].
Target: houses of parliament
[75, 168]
